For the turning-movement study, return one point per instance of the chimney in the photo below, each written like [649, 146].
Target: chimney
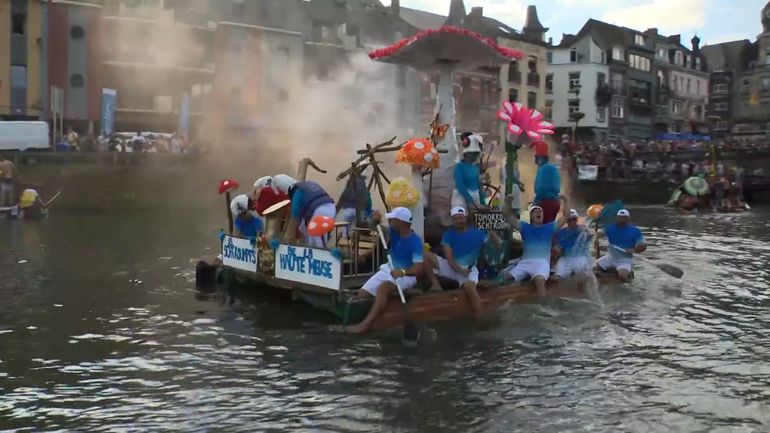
[456, 15]
[476, 12]
[653, 31]
[395, 7]
[695, 51]
[550, 41]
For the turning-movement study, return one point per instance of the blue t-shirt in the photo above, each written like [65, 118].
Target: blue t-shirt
[574, 243]
[624, 237]
[297, 203]
[466, 245]
[248, 228]
[405, 251]
[467, 179]
[537, 240]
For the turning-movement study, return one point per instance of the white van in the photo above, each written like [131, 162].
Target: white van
[21, 135]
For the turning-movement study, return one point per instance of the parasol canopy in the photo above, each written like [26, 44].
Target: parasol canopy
[227, 185]
[446, 46]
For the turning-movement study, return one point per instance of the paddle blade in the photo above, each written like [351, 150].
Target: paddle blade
[609, 212]
[411, 331]
[671, 270]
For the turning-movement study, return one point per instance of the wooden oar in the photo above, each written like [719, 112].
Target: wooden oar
[53, 198]
[665, 267]
[411, 333]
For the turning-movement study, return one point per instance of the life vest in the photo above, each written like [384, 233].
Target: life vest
[314, 196]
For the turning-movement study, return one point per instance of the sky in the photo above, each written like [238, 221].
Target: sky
[714, 21]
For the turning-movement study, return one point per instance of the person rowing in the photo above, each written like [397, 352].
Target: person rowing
[625, 240]
[406, 253]
[462, 246]
[573, 243]
[537, 238]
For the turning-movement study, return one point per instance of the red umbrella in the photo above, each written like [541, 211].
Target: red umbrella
[228, 185]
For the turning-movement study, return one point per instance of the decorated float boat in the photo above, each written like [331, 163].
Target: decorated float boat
[329, 277]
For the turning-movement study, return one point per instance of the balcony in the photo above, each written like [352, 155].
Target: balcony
[514, 77]
[533, 79]
[641, 102]
[639, 120]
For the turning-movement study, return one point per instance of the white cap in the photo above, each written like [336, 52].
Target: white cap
[573, 213]
[458, 210]
[263, 182]
[283, 182]
[401, 214]
[624, 213]
[534, 208]
[239, 204]
[475, 143]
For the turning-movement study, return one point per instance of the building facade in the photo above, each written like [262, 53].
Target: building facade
[22, 59]
[576, 82]
[739, 104]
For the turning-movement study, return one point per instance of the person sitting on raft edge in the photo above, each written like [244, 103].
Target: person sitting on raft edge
[406, 254]
[462, 246]
[537, 238]
[573, 243]
[625, 240]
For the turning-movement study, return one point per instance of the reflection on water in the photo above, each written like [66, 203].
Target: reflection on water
[100, 328]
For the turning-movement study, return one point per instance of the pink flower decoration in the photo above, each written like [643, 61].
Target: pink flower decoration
[522, 120]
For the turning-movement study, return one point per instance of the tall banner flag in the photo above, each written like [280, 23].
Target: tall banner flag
[109, 102]
[184, 116]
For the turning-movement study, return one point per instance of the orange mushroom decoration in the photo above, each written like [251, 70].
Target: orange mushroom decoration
[418, 152]
[320, 225]
[594, 211]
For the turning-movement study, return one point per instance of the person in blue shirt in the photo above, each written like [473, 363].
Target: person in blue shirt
[245, 223]
[547, 189]
[625, 240]
[467, 175]
[537, 237]
[572, 243]
[462, 245]
[308, 200]
[406, 254]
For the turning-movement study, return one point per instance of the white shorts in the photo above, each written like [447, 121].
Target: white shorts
[530, 268]
[459, 200]
[619, 263]
[327, 210]
[446, 271]
[569, 266]
[383, 275]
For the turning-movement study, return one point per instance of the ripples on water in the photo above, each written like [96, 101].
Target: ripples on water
[100, 330]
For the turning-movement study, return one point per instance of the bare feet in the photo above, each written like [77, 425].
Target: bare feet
[356, 329]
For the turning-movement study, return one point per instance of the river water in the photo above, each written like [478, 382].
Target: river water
[101, 330]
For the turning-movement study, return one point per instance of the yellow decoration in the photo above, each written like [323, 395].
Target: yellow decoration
[401, 194]
[438, 130]
[28, 198]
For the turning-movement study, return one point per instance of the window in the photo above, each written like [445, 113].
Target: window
[77, 81]
[617, 82]
[549, 83]
[720, 106]
[549, 57]
[573, 107]
[676, 107]
[661, 80]
[617, 54]
[573, 55]
[697, 87]
[574, 80]
[617, 106]
[513, 95]
[679, 58]
[745, 87]
[687, 60]
[600, 79]
[697, 63]
[639, 62]
[532, 100]
[689, 83]
[513, 72]
[603, 60]
[639, 40]
[765, 84]
[325, 33]
[76, 32]
[18, 87]
[548, 112]
[601, 114]
[532, 64]
[239, 9]
[720, 88]
[18, 24]
[721, 125]
[661, 54]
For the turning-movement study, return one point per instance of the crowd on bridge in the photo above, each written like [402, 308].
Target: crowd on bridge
[123, 142]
